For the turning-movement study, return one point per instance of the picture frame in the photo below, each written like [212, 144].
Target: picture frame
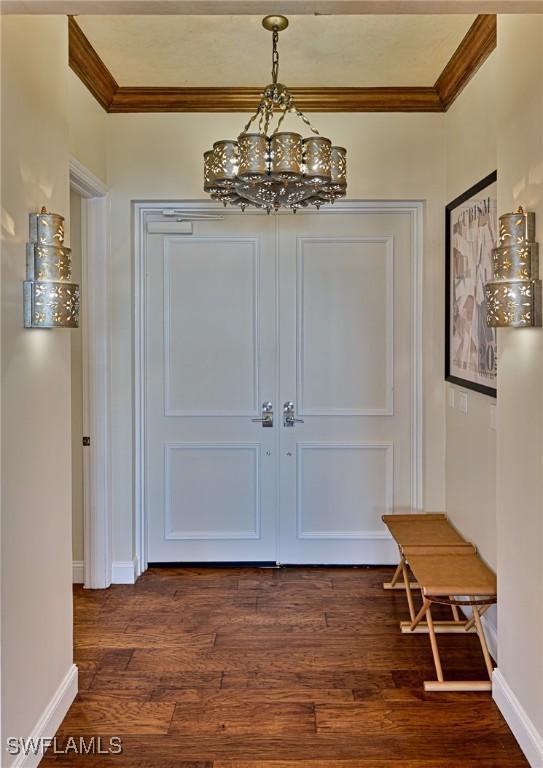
[471, 222]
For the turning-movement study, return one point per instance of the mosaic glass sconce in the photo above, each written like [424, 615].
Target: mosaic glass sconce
[513, 297]
[50, 299]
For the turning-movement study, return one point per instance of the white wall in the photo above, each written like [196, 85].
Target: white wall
[36, 497]
[88, 128]
[471, 130]
[519, 117]
[392, 156]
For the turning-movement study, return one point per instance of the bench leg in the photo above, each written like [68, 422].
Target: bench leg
[408, 592]
[471, 623]
[454, 609]
[395, 583]
[433, 643]
[482, 640]
[454, 685]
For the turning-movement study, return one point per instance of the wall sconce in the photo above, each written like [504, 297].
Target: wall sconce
[513, 297]
[50, 299]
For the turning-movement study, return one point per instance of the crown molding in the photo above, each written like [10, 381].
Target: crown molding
[246, 99]
[474, 49]
[89, 67]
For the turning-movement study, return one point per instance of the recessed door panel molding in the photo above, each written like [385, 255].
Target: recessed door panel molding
[345, 326]
[195, 507]
[211, 299]
[343, 489]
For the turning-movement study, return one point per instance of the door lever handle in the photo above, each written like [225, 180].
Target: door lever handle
[267, 415]
[289, 419]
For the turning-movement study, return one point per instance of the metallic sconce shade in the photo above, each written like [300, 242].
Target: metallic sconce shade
[285, 155]
[513, 297]
[253, 156]
[51, 305]
[518, 227]
[513, 304]
[518, 261]
[317, 159]
[46, 228]
[50, 300]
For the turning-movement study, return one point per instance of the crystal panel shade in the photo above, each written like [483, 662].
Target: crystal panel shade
[275, 169]
[50, 299]
[513, 297]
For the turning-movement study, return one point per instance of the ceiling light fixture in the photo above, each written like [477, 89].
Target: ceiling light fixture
[281, 170]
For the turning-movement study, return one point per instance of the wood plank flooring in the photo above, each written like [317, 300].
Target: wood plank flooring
[264, 668]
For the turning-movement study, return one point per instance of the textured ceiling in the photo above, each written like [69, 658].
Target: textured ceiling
[236, 50]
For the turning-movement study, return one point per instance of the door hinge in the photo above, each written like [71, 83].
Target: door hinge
[86, 441]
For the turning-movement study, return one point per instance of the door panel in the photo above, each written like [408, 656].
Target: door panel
[334, 304]
[210, 351]
[345, 325]
[211, 315]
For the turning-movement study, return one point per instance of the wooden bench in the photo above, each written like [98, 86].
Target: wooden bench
[442, 572]
[431, 529]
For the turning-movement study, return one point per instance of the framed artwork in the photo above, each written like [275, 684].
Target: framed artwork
[470, 235]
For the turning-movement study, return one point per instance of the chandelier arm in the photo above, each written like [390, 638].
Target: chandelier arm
[305, 119]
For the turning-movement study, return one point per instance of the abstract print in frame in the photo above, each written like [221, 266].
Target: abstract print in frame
[470, 235]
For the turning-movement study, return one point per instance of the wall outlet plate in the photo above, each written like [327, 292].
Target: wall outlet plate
[463, 402]
[493, 417]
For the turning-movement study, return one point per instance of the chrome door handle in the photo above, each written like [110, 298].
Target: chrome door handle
[289, 419]
[267, 415]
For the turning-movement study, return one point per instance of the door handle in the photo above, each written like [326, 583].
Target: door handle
[289, 419]
[267, 415]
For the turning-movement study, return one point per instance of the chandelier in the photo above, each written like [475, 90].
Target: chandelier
[277, 170]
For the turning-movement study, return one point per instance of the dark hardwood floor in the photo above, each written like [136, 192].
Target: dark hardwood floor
[291, 668]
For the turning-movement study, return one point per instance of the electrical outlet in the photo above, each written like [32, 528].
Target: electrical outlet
[463, 402]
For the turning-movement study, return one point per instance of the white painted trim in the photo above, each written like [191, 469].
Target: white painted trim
[524, 731]
[124, 572]
[84, 182]
[78, 572]
[51, 718]
[95, 248]
[195, 207]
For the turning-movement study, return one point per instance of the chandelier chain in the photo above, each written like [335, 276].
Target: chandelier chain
[275, 57]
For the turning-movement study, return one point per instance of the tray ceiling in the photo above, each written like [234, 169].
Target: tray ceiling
[316, 51]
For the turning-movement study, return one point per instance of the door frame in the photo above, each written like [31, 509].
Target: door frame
[415, 208]
[96, 329]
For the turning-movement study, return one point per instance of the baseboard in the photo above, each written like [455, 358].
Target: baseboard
[124, 572]
[78, 572]
[53, 715]
[524, 731]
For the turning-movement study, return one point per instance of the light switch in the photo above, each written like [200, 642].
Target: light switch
[463, 402]
[451, 397]
[492, 417]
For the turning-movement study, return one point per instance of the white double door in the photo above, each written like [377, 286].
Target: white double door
[313, 310]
